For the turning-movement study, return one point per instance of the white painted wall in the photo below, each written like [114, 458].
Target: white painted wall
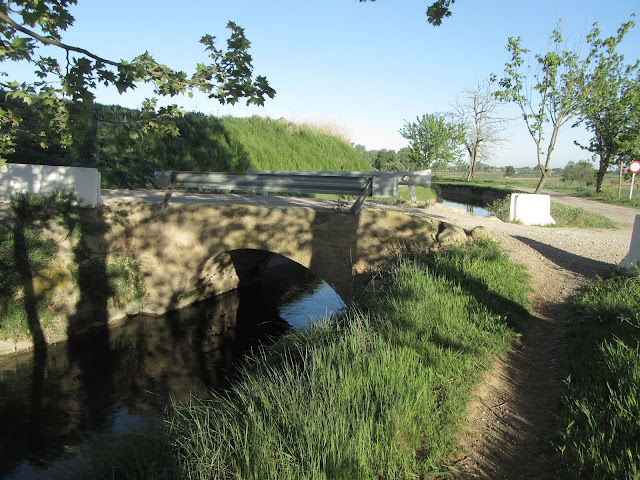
[531, 209]
[633, 257]
[42, 179]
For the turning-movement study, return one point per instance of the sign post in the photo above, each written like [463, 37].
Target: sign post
[633, 168]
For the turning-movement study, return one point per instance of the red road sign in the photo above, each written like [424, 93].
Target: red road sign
[634, 167]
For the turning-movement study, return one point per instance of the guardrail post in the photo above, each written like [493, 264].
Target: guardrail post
[366, 191]
[412, 192]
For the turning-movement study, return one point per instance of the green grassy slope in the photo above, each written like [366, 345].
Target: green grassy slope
[127, 158]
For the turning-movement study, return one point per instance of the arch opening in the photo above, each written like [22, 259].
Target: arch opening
[273, 279]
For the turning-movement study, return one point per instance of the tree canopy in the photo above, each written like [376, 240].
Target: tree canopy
[434, 140]
[558, 87]
[477, 110]
[612, 111]
[62, 90]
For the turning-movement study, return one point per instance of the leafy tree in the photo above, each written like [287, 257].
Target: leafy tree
[509, 171]
[434, 140]
[62, 91]
[477, 112]
[612, 110]
[581, 173]
[548, 98]
[404, 159]
[554, 91]
[384, 158]
[436, 11]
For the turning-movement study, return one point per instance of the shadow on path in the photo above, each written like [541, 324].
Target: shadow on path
[569, 261]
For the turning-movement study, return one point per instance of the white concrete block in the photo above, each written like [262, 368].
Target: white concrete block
[531, 209]
[42, 179]
[633, 257]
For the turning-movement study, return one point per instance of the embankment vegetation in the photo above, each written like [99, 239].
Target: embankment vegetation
[379, 393]
[602, 405]
[127, 157]
[44, 254]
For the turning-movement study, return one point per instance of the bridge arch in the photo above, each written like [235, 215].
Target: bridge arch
[236, 268]
[184, 250]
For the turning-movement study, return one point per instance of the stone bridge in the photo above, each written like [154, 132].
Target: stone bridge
[190, 252]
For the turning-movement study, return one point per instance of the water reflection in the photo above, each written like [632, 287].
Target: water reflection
[141, 364]
[476, 210]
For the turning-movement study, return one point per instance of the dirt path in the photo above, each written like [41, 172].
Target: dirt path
[513, 417]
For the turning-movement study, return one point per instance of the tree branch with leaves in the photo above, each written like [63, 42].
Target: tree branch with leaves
[62, 90]
[548, 93]
[436, 12]
[560, 86]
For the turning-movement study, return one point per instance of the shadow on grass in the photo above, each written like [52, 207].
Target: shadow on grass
[24, 219]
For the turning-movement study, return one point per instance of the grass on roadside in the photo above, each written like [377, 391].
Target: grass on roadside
[377, 394]
[571, 217]
[564, 215]
[602, 404]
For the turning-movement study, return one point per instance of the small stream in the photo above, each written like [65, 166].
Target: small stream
[51, 403]
[472, 199]
[478, 211]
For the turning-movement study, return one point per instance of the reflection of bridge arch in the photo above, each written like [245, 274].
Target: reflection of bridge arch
[186, 251]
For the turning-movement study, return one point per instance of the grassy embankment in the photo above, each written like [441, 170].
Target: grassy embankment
[380, 393]
[609, 193]
[602, 404]
[205, 143]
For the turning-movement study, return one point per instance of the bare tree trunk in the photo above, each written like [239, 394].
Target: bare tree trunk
[546, 174]
[472, 169]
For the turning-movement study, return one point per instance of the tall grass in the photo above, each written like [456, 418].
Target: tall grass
[378, 394]
[602, 404]
[282, 145]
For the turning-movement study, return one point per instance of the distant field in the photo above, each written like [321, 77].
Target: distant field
[609, 193]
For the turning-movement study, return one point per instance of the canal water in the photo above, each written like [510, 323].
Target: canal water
[477, 210]
[111, 381]
[472, 199]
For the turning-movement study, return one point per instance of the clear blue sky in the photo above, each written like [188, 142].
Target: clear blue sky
[364, 68]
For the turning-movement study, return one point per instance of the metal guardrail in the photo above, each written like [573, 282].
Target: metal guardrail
[408, 178]
[361, 184]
